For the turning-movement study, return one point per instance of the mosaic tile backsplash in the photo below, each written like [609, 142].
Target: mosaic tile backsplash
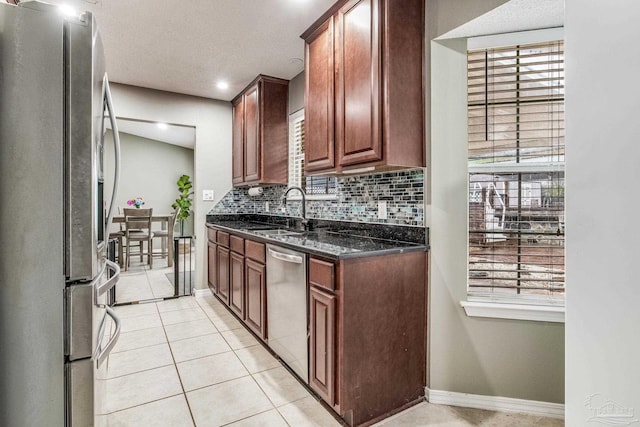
[356, 200]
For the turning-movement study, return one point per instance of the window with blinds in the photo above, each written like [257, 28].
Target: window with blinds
[516, 172]
[313, 185]
[296, 149]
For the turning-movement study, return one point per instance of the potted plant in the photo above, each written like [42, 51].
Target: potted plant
[183, 202]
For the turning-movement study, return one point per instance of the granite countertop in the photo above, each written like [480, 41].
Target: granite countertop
[333, 239]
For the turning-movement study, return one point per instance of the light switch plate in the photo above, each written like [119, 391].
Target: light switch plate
[207, 195]
[382, 209]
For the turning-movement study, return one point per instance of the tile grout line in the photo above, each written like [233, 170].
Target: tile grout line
[137, 372]
[175, 366]
[259, 413]
[274, 405]
[158, 313]
[254, 381]
[219, 383]
[142, 404]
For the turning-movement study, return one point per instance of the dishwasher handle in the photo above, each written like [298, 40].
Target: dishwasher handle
[296, 259]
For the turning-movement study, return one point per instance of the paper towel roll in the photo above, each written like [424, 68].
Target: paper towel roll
[255, 191]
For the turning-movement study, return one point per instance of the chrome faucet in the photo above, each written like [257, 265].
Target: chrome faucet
[305, 221]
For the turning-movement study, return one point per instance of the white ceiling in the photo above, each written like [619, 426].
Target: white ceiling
[182, 135]
[515, 15]
[188, 46]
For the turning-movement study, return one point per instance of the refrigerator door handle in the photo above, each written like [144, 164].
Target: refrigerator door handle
[104, 352]
[108, 104]
[110, 283]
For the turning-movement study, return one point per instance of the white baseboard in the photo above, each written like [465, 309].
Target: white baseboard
[495, 403]
[199, 293]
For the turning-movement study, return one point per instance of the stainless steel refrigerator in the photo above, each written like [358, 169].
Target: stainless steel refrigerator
[56, 329]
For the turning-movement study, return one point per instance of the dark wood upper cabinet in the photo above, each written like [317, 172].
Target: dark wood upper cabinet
[260, 136]
[319, 96]
[358, 83]
[238, 140]
[376, 57]
[251, 135]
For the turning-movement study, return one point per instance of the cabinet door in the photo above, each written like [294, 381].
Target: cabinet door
[251, 134]
[238, 141]
[236, 289]
[319, 110]
[222, 260]
[358, 136]
[255, 313]
[322, 315]
[212, 274]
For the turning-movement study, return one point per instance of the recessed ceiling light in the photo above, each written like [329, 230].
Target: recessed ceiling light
[163, 126]
[67, 10]
[223, 85]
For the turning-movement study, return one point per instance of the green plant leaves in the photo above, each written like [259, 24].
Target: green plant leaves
[183, 202]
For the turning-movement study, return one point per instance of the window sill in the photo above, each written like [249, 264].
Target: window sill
[537, 313]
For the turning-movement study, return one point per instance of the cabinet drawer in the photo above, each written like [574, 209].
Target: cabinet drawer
[254, 250]
[223, 239]
[237, 244]
[322, 274]
[211, 234]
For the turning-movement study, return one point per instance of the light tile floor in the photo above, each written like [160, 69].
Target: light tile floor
[189, 362]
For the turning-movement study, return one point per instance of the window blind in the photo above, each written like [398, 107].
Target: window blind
[313, 185]
[516, 171]
[296, 150]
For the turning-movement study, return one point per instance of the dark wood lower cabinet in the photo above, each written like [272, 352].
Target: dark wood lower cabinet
[222, 262]
[255, 296]
[322, 315]
[367, 321]
[237, 276]
[236, 284]
[211, 272]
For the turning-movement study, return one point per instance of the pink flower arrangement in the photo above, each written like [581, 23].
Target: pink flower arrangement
[137, 202]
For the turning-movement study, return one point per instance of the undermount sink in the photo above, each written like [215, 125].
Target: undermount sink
[280, 232]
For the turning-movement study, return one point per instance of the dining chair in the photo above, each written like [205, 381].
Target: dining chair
[168, 235]
[118, 235]
[137, 223]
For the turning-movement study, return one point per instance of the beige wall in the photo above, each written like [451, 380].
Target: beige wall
[602, 132]
[212, 153]
[296, 93]
[493, 357]
[149, 169]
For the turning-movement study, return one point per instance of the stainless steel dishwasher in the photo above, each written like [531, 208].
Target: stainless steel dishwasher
[287, 307]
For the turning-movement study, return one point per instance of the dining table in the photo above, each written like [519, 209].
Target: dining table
[164, 220]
